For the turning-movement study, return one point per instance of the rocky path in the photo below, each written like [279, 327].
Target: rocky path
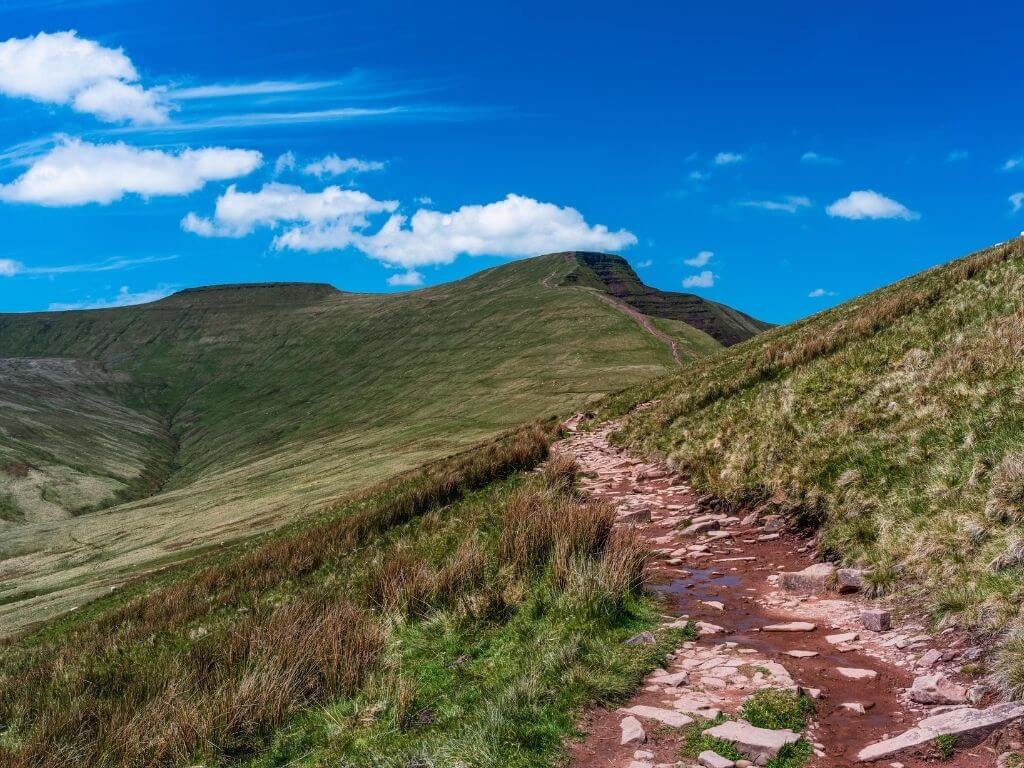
[765, 621]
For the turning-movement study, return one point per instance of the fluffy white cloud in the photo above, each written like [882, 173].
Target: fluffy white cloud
[124, 298]
[332, 165]
[817, 293]
[516, 226]
[336, 218]
[814, 157]
[868, 204]
[789, 204]
[704, 279]
[62, 68]
[409, 278]
[321, 215]
[700, 259]
[728, 158]
[76, 172]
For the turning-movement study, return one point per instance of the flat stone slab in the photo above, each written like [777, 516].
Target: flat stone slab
[798, 654]
[812, 580]
[755, 743]
[958, 722]
[710, 759]
[854, 673]
[792, 626]
[669, 717]
[844, 637]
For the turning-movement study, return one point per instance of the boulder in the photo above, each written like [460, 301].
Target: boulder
[965, 722]
[759, 744]
[937, 689]
[710, 759]
[850, 580]
[812, 580]
[876, 619]
[632, 731]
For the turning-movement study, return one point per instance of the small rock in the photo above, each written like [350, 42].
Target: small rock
[812, 580]
[844, 637]
[876, 619]
[792, 626]
[854, 673]
[854, 706]
[798, 654]
[710, 759]
[632, 731]
[644, 638]
[937, 689]
[930, 658]
[714, 604]
[850, 580]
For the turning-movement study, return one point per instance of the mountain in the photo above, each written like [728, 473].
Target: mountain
[892, 425]
[137, 436]
[613, 275]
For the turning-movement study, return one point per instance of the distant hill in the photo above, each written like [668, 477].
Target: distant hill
[138, 435]
[893, 423]
[613, 274]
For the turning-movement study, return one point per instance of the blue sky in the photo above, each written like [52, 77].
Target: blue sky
[795, 156]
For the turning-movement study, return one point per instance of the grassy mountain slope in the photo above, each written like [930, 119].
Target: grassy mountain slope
[894, 422]
[464, 614]
[611, 274]
[244, 406]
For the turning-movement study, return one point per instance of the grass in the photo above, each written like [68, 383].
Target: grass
[467, 612]
[218, 413]
[891, 424]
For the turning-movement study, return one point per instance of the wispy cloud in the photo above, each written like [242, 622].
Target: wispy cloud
[788, 204]
[728, 158]
[1017, 201]
[818, 159]
[260, 88]
[124, 298]
[818, 293]
[11, 268]
[958, 155]
[332, 165]
[1012, 163]
[646, 263]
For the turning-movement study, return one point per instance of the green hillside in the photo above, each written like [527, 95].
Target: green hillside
[894, 423]
[140, 435]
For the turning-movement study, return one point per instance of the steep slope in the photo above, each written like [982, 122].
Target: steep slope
[612, 274]
[893, 423]
[244, 406]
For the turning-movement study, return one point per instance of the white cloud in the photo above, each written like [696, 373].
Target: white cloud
[645, 264]
[789, 204]
[336, 218]
[124, 298]
[514, 227]
[261, 88]
[10, 267]
[424, 200]
[728, 158]
[1012, 163]
[817, 293]
[814, 157]
[321, 216]
[76, 172]
[701, 259]
[699, 176]
[957, 155]
[409, 278]
[705, 279]
[62, 68]
[1017, 201]
[332, 165]
[868, 204]
[285, 162]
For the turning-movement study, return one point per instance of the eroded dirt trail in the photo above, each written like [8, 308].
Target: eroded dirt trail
[722, 571]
